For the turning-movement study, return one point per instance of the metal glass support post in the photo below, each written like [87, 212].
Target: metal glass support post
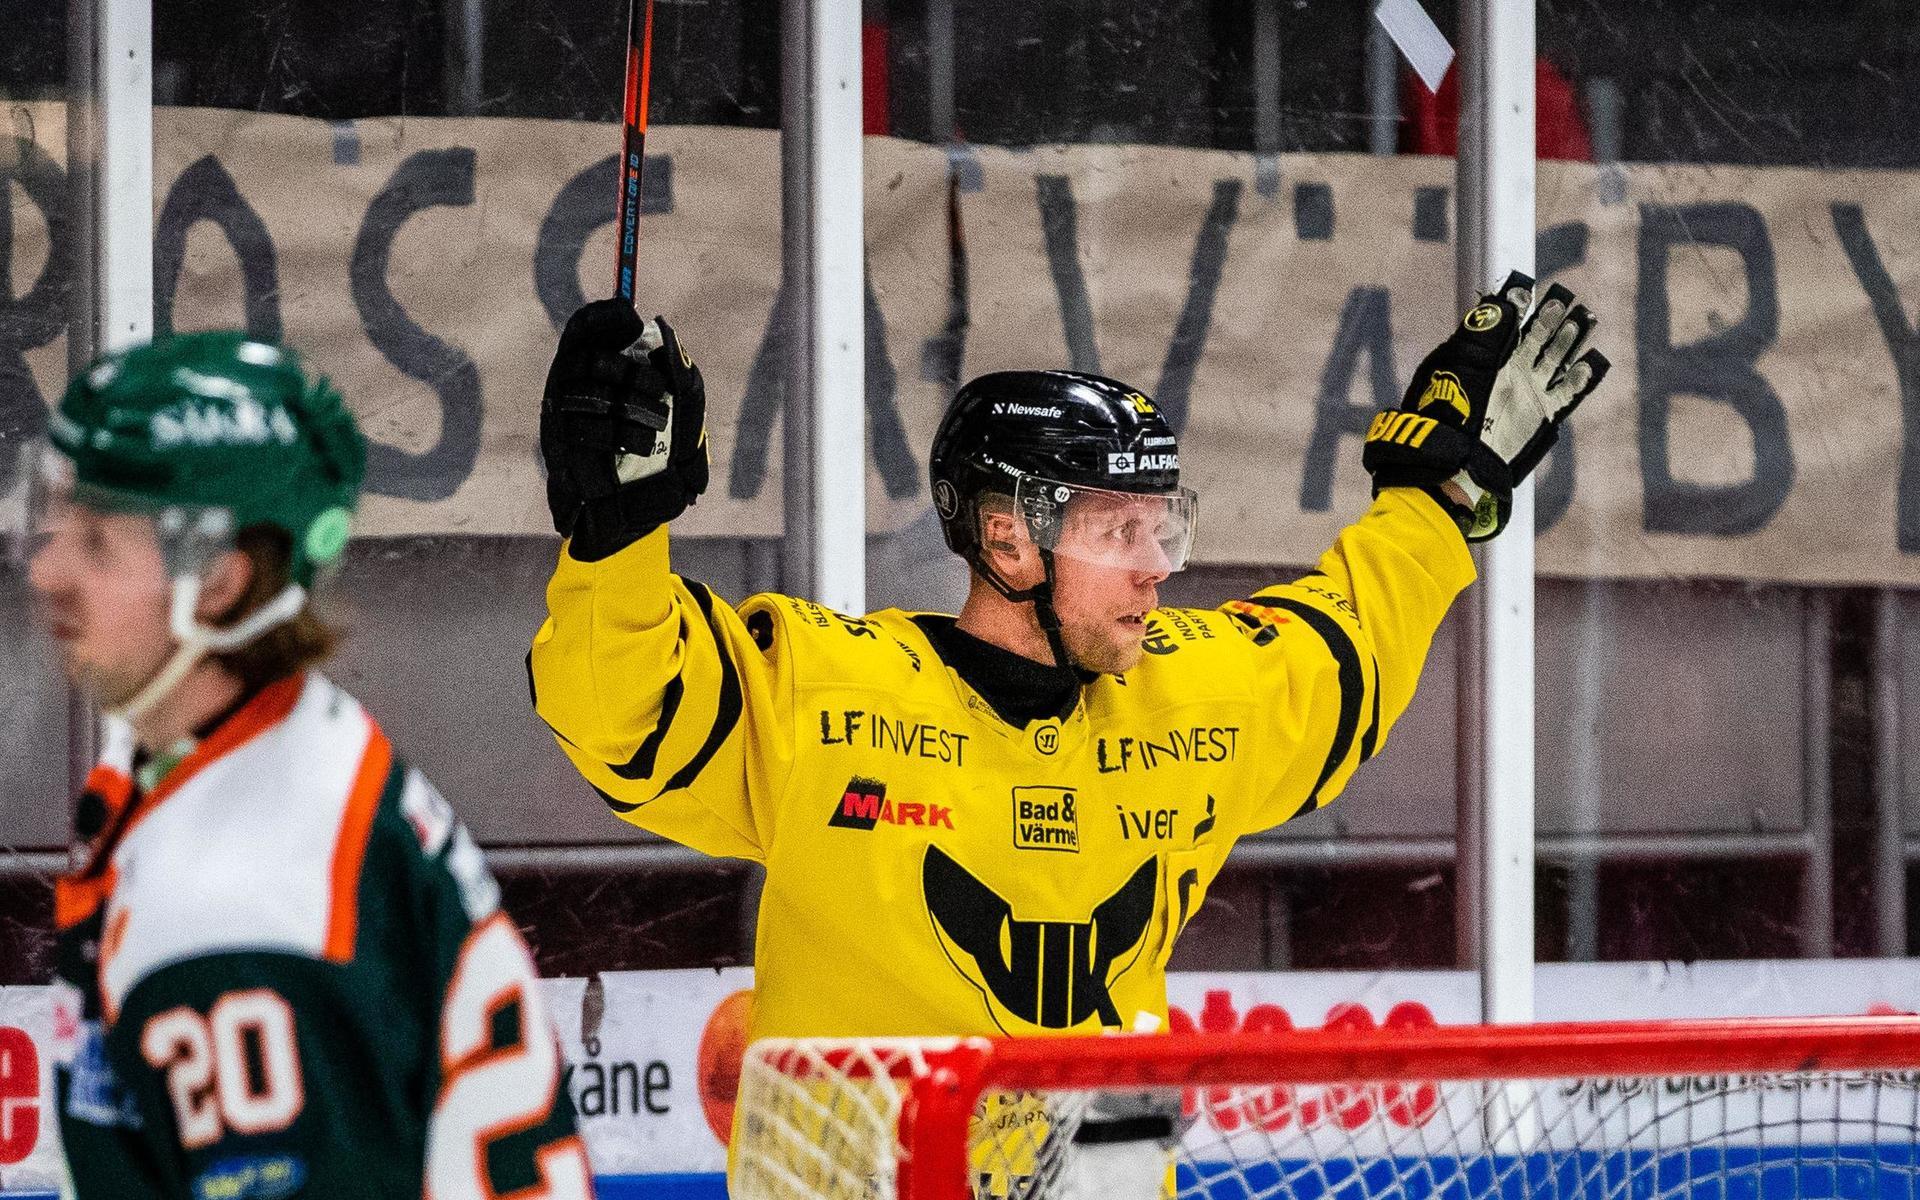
[110, 173]
[824, 259]
[837, 318]
[1266, 96]
[941, 119]
[1383, 90]
[1889, 850]
[1607, 110]
[1589, 691]
[82, 146]
[1496, 221]
[465, 44]
[121, 209]
[80, 303]
[1816, 885]
[796, 285]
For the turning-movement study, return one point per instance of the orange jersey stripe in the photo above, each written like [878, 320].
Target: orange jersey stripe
[77, 897]
[110, 942]
[343, 920]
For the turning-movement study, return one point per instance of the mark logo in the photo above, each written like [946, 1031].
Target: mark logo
[859, 807]
[864, 804]
[1120, 463]
[1044, 819]
[1046, 739]
[1444, 387]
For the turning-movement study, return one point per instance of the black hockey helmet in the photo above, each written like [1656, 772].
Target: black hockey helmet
[1056, 443]
[1010, 432]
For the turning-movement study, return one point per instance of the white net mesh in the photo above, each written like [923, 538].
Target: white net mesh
[823, 1120]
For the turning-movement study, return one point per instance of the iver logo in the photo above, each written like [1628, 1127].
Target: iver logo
[864, 804]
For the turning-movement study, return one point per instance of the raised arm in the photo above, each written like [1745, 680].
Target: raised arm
[1339, 651]
[652, 684]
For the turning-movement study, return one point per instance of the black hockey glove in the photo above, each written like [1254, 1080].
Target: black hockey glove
[1485, 407]
[623, 429]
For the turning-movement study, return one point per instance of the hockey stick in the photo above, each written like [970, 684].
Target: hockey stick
[633, 141]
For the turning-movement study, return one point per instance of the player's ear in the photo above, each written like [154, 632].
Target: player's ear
[224, 584]
[1007, 548]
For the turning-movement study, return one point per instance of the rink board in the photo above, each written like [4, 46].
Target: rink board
[1855, 1172]
[661, 1142]
[1739, 1173]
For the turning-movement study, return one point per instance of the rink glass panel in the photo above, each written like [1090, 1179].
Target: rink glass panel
[1708, 722]
[37, 217]
[1696, 727]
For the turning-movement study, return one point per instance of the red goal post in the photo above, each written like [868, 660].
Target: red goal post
[1732, 1110]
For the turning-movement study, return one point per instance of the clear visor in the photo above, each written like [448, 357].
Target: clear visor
[1146, 533]
[48, 504]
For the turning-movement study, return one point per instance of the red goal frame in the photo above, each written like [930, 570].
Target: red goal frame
[940, 1100]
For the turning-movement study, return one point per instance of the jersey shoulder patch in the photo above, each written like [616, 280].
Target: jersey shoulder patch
[259, 849]
[823, 646]
[1194, 642]
[441, 842]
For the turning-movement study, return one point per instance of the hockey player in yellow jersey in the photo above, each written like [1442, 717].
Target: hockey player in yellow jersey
[1000, 822]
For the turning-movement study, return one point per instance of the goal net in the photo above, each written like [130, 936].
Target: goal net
[1721, 1110]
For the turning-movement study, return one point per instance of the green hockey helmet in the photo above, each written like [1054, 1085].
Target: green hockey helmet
[211, 433]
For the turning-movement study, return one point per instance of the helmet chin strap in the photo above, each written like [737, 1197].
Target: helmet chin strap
[1049, 617]
[1040, 595]
[195, 640]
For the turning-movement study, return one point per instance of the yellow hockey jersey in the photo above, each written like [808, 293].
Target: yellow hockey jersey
[933, 869]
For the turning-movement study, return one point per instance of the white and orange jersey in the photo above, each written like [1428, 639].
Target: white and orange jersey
[284, 967]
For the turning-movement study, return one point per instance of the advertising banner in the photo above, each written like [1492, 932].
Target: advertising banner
[1760, 422]
[652, 1058]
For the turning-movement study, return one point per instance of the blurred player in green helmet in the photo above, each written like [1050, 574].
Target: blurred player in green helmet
[282, 967]
[190, 492]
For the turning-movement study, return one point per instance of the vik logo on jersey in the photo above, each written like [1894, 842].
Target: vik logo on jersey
[1053, 974]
